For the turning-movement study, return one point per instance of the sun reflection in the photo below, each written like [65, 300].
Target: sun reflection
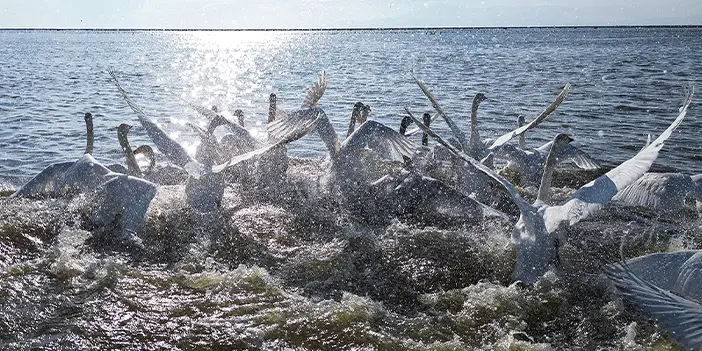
[228, 69]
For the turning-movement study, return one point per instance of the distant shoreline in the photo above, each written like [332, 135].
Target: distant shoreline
[336, 29]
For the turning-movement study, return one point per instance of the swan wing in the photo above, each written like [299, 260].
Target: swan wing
[650, 190]
[316, 91]
[540, 118]
[592, 196]
[580, 157]
[457, 132]
[380, 138]
[164, 143]
[303, 130]
[44, 183]
[681, 317]
[282, 128]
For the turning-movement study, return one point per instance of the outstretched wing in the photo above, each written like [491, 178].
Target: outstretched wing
[316, 91]
[592, 196]
[304, 129]
[163, 142]
[457, 132]
[540, 118]
[45, 183]
[580, 157]
[380, 138]
[681, 317]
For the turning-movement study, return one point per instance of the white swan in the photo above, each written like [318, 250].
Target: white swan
[534, 235]
[66, 179]
[205, 185]
[668, 288]
[474, 147]
[269, 169]
[663, 192]
[529, 163]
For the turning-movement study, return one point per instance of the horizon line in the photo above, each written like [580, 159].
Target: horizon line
[114, 29]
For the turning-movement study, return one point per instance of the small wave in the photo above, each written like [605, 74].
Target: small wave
[630, 108]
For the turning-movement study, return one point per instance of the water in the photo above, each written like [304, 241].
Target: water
[294, 271]
[627, 82]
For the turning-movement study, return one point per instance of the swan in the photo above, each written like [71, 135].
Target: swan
[668, 288]
[371, 185]
[205, 186]
[663, 192]
[536, 234]
[474, 147]
[269, 169]
[529, 164]
[66, 179]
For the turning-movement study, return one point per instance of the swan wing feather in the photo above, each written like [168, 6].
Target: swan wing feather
[677, 315]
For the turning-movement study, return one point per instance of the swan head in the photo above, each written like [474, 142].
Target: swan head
[479, 97]
[406, 121]
[88, 117]
[365, 110]
[122, 132]
[520, 121]
[560, 142]
[239, 116]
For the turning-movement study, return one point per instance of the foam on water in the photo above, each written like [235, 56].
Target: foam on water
[291, 270]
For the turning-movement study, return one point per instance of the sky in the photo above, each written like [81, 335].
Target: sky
[281, 14]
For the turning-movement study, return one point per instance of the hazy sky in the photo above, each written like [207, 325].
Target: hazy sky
[341, 13]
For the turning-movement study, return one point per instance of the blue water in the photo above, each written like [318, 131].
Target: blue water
[626, 82]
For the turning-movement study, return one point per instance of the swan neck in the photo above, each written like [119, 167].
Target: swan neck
[474, 135]
[522, 138]
[272, 108]
[132, 165]
[355, 115]
[549, 168]
[404, 124]
[328, 134]
[91, 136]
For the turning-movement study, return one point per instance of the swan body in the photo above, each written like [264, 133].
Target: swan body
[663, 192]
[534, 234]
[668, 288]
